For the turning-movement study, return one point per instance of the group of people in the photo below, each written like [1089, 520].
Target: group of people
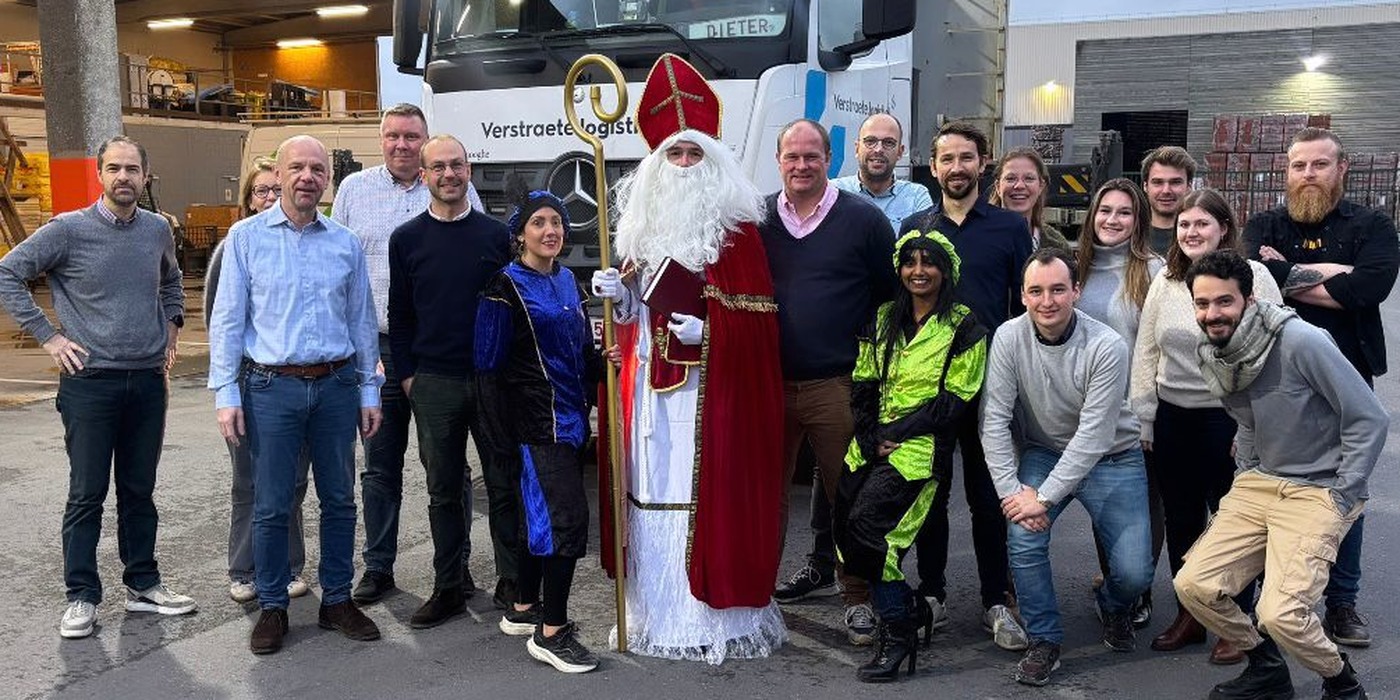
[860, 317]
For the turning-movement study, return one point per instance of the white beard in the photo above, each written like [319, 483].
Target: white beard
[686, 214]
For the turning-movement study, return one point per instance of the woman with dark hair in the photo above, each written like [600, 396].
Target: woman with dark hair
[1184, 427]
[1020, 184]
[1116, 266]
[534, 345]
[919, 368]
[258, 193]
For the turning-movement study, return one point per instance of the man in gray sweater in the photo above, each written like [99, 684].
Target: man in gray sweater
[1300, 486]
[117, 294]
[1061, 378]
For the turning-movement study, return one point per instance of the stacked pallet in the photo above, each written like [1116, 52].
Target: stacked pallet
[1249, 157]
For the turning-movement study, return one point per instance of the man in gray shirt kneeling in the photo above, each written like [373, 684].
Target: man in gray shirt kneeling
[1301, 483]
[1063, 377]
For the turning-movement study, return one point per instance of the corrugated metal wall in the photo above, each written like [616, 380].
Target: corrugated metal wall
[1246, 73]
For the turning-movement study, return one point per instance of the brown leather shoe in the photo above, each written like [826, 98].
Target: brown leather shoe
[1183, 631]
[267, 634]
[1225, 654]
[347, 619]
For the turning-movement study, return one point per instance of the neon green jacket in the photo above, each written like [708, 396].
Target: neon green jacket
[928, 385]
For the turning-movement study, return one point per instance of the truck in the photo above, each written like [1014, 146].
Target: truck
[493, 74]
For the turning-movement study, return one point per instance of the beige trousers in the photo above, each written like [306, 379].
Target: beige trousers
[1291, 533]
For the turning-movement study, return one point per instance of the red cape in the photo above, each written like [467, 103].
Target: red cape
[732, 553]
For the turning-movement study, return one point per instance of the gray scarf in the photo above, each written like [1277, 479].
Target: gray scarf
[1232, 368]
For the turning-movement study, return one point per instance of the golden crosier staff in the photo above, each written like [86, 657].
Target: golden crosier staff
[595, 94]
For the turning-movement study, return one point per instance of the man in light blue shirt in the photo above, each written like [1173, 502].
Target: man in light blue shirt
[293, 350]
[878, 147]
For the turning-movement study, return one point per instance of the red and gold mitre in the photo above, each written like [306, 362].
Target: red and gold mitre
[676, 97]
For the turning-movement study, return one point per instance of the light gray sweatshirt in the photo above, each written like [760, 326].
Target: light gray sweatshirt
[114, 286]
[1070, 398]
[1321, 425]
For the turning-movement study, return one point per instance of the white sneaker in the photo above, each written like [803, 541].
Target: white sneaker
[78, 620]
[298, 587]
[159, 599]
[860, 624]
[242, 591]
[940, 612]
[1007, 633]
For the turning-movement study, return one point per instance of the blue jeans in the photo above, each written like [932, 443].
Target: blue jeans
[1114, 493]
[283, 414]
[1345, 582]
[113, 424]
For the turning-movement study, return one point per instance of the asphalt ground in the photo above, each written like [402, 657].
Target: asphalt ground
[205, 655]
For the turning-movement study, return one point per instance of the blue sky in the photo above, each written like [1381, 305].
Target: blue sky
[1048, 11]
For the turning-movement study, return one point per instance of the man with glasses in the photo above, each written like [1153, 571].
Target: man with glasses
[439, 261]
[372, 203]
[878, 147]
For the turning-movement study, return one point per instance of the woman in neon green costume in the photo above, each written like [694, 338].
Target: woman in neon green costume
[920, 365]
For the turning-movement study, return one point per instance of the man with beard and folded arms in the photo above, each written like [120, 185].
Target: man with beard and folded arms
[1167, 172]
[1335, 261]
[292, 362]
[879, 147]
[1310, 430]
[439, 261]
[993, 244]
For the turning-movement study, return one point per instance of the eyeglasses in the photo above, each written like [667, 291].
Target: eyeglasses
[263, 191]
[456, 166]
[1012, 179]
[873, 143]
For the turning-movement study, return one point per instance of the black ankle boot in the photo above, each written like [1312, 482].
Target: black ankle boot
[1344, 685]
[895, 641]
[1265, 678]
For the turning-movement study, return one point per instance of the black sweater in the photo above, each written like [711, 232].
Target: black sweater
[828, 284]
[437, 270]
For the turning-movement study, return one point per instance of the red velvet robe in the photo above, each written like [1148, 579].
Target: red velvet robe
[732, 553]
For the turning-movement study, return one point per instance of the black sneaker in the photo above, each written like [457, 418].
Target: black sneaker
[1118, 632]
[562, 651]
[807, 582]
[1346, 627]
[1142, 612]
[519, 623]
[441, 607]
[374, 585]
[1035, 667]
[468, 583]
[505, 594]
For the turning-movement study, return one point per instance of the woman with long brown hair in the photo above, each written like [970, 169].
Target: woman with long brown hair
[1184, 427]
[1020, 185]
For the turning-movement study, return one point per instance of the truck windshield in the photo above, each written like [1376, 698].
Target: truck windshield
[693, 19]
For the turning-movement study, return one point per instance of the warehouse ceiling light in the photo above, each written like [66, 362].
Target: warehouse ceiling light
[1050, 86]
[1312, 63]
[342, 11]
[298, 43]
[172, 23]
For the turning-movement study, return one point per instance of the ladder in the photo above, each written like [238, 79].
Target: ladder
[11, 226]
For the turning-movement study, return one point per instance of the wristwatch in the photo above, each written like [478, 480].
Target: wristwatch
[178, 320]
[1042, 500]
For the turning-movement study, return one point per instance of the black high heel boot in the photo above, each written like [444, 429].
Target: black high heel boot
[896, 641]
[923, 617]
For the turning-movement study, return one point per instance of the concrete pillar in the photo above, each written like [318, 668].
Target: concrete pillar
[82, 94]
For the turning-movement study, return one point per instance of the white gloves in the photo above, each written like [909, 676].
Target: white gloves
[688, 329]
[607, 284]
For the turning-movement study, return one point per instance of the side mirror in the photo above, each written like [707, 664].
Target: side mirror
[886, 19]
[408, 36]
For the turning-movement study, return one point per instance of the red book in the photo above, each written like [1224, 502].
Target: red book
[675, 289]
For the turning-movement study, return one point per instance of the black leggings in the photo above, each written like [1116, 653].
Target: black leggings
[557, 574]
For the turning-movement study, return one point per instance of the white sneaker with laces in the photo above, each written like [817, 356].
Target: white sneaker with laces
[159, 599]
[79, 618]
[1006, 631]
[860, 624]
[298, 587]
[242, 591]
[940, 612]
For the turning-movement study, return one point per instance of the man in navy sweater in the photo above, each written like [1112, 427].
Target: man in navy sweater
[829, 252]
[439, 261]
[993, 244]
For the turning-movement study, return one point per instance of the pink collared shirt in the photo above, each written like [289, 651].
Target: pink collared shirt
[798, 226]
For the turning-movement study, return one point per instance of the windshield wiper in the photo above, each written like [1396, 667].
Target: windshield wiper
[548, 50]
[716, 65]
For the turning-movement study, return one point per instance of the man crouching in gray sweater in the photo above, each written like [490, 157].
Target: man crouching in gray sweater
[1063, 378]
[1301, 481]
